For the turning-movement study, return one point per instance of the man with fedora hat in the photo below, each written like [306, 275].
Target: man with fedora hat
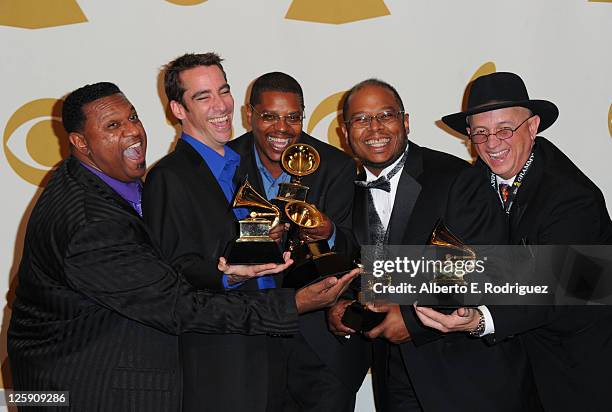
[547, 200]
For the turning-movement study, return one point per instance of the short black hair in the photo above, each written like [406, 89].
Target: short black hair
[365, 83]
[172, 82]
[275, 82]
[73, 117]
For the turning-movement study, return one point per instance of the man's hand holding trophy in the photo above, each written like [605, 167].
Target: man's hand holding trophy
[256, 252]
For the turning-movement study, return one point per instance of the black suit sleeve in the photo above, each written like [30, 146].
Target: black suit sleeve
[472, 213]
[574, 218]
[113, 264]
[166, 213]
[337, 203]
[339, 194]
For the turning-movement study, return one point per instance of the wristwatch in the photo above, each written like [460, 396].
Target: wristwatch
[480, 328]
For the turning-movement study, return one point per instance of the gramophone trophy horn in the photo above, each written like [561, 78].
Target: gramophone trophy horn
[303, 214]
[450, 249]
[298, 160]
[444, 238]
[254, 244]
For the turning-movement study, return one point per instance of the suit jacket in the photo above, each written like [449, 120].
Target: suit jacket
[98, 311]
[190, 217]
[570, 348]
[448, 372]
[331, 191]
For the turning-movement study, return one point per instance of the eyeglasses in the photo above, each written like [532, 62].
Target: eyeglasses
[365, 120]
[292, 118]
[504, 133]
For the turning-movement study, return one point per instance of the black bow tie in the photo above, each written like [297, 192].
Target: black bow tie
[384, 182]
[381, 183]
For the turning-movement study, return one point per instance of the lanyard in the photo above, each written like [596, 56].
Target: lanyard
[515, 185]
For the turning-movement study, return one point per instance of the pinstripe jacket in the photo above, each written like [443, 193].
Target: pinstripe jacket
[98, 311]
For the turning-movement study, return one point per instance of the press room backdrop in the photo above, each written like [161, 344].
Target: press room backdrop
[429, 50]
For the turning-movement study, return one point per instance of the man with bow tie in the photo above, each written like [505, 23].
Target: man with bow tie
[402, 192]
[547, 201]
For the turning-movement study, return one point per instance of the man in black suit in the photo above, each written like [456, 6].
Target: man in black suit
[323, 372]
[98, 310]
[548, 201]
[186, 203]
[403, 191]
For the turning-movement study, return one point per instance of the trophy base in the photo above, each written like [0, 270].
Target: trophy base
[360, 319]
[253, 253]
[445, 303]
[317, 268]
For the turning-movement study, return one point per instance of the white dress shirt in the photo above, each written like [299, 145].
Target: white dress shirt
[383, 201]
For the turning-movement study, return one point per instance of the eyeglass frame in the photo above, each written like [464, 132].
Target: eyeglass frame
[370, 117]
[503, 129]
[277, 117]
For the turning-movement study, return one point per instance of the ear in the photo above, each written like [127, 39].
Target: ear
[79, 143]
[534, 124]
[407, 122]
[178, 110]
[249, 114]
[345, 133]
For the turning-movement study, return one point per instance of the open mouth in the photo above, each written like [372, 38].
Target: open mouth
[499, 156]
[135, 152]
[220, 122]
[278, 143]
[378, 143]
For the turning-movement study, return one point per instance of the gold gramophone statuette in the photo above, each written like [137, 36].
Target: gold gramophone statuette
[313, 259]
[451, 249]
[254, 245]
[298, 160]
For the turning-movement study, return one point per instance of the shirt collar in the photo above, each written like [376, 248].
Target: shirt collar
[214, 160]
[262, 169]
[509, 182]
[130, 191]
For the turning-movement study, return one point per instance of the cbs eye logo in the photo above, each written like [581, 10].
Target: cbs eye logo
[34, 140]
[330, 110]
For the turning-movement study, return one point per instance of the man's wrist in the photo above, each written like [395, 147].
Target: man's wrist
[480, 327]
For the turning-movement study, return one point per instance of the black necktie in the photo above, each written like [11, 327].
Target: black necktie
[383, 182]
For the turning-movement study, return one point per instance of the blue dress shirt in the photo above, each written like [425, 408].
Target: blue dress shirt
[223, 169]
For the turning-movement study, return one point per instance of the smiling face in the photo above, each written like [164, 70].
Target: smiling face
[379, 144]
[506, 157]
[113, 139]
[272, 138]
[208, 106]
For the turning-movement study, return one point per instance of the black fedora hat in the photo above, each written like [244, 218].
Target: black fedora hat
[496, 91]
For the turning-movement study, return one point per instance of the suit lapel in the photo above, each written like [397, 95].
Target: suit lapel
[361, 225]
[528, 189]
[202, 174]
[408, 191]
[93, 181]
